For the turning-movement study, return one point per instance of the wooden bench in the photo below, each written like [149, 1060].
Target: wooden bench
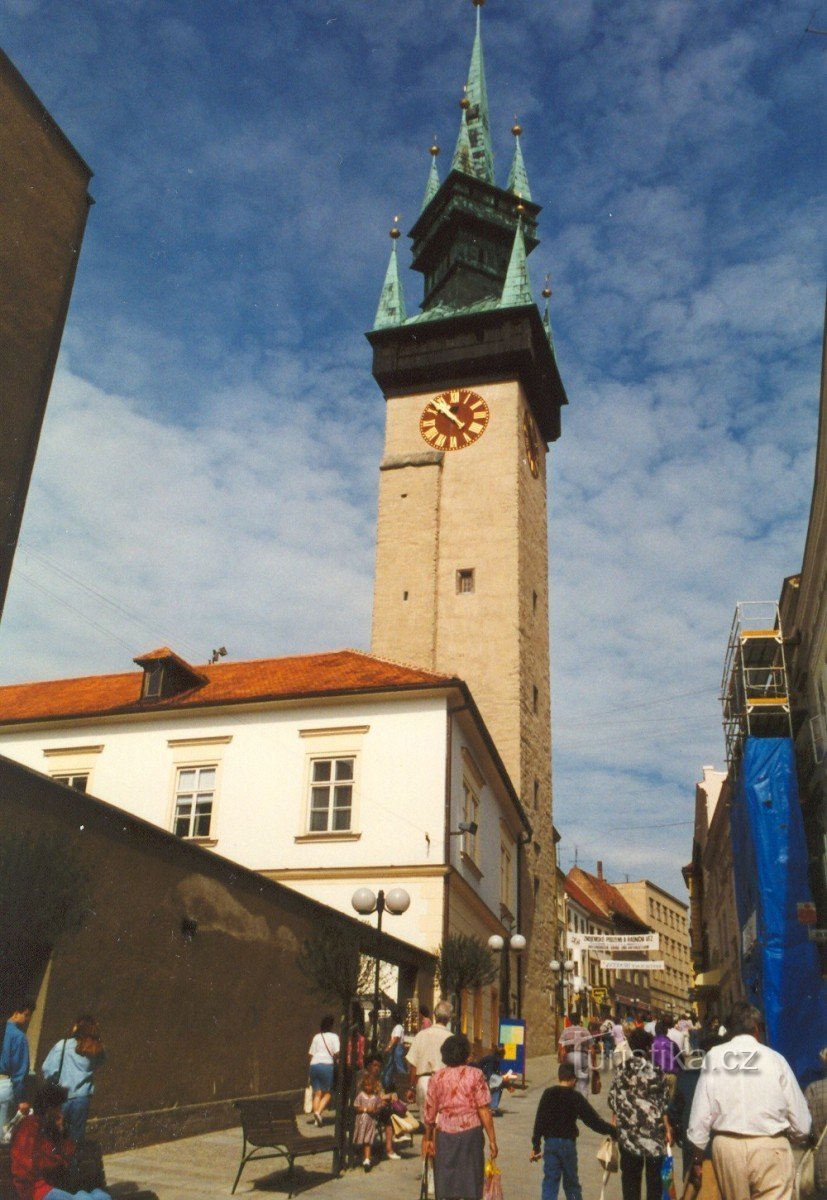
[273, 1125]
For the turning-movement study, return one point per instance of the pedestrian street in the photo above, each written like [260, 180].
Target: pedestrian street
[203, 1168]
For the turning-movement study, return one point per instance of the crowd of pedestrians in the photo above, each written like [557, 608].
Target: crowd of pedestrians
[715, 1092]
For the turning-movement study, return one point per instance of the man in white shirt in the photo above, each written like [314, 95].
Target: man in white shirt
[424, 1054]
[748, 1098]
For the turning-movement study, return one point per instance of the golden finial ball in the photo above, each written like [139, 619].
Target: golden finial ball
[465, 103]
[521, 208]
[434, 150]
[478, 3]
[517, 129]
[546, 291]
[396, 232]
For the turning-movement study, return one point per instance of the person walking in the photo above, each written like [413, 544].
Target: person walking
[638, 1098]
[14, 1060]
[575, 1047]
[395, 1071]
[41, 1152]
[749, 1099]
[665, 1053]
[424, 1057]
[457, 1111]
[72, 1063]
[816, 1097]
[558, 1112]
[324, 1054]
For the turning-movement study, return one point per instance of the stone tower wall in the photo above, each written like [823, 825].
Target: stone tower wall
[479, 509]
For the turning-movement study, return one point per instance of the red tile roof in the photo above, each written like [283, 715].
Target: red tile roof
[605, 895]
[584, 900]
[341, 672]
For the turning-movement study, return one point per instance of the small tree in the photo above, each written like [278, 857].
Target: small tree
[463, 962]
[332, 963]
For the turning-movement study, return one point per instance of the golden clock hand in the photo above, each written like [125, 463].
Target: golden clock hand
[446, 411]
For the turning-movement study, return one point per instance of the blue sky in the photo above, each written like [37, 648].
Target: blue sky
[208, 467]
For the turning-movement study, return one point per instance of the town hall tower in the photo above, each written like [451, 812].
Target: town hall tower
[473, 399]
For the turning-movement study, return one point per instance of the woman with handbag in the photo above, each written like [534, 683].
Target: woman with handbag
[324, 1056]
[457, 1111]
[72, 1063]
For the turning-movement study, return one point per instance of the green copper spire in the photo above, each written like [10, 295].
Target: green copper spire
[462, 160]
[391, 310]
[433, 178]
[474, 154]
[517, 177]
[517, 287]
[546, 314]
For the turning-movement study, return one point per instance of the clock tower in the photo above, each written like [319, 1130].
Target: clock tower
[473, 400]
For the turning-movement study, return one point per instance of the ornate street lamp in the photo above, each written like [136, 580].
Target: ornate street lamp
[516, 944]
[365, 902]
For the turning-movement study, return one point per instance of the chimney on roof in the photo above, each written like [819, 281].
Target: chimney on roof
[599, 869]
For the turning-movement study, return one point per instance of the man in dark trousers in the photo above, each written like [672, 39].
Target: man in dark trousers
[558, 1112]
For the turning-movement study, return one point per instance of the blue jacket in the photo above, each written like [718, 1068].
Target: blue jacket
[77, 1070]
[14, 1057]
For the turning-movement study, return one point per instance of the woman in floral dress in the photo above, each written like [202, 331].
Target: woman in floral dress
[457, 1111]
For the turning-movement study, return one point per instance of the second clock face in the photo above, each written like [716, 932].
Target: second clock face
[454, 419]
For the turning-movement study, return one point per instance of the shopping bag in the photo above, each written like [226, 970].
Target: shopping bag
[667, 1176]
[608, 1156]
[404, 1125]
[493, 1186]
[307, 1103]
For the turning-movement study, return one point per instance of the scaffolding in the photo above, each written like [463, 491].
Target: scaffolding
[755, 693]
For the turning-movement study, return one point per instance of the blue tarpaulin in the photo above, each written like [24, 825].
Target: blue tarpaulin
[780, 964]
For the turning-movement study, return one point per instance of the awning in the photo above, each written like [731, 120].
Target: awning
[709, 981]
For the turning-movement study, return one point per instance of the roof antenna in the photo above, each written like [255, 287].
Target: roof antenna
[221, 652]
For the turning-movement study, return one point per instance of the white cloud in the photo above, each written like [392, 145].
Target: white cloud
[210, 452]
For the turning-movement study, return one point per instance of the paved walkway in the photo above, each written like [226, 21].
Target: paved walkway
[202, 1168]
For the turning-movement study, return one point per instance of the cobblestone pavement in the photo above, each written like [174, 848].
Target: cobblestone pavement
[202, 1168]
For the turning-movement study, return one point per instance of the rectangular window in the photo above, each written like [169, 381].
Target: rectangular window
[194, 799]
[79, 782]
[331, 795]
[505, 876]
[465, 581]
[470, 815]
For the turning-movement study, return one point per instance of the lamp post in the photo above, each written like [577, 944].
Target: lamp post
[563, 968]
[516, 943]
[365, 902]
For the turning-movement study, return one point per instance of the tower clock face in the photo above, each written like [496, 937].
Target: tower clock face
[532, 448]
[454, 419]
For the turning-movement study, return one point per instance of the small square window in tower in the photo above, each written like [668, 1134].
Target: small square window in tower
[465, 581]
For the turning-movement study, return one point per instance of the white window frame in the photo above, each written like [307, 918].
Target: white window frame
[332, 743]
[72, 762]
[194, 753]
[68, 779]
[332, 786]
[205, 765]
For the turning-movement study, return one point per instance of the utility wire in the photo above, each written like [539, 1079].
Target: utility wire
[99, 595]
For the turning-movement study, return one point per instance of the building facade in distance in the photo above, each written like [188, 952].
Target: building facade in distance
[714, 929]
[629, 989]
[669, 917]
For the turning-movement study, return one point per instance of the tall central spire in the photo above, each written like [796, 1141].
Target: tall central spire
[476, 115]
